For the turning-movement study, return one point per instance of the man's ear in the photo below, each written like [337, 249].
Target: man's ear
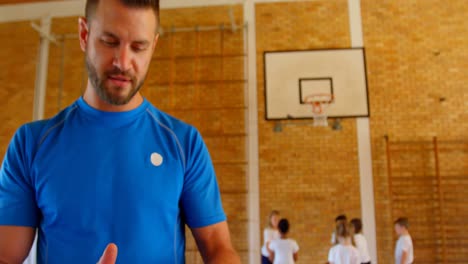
[83, 31]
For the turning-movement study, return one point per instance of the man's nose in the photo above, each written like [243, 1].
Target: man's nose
[122, 58]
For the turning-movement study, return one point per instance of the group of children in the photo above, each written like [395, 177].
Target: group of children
[349, 244]
[278, 248]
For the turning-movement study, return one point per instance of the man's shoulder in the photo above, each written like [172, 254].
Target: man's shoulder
[40, 127]
[36, 129]
[168, 121]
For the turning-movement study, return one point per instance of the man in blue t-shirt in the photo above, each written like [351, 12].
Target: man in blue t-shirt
[111, 179]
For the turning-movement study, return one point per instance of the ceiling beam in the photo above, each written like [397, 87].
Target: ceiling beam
[32, 11]
[39, 10]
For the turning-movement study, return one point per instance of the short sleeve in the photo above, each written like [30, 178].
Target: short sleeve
[406, 245]
[272, 245]
[268, 235]
[331, 257]
[356, 257]
[201, 199]
[265, 235]
[17, 196]
[295, 247]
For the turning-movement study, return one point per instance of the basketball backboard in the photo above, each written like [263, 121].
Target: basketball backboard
[292, 76]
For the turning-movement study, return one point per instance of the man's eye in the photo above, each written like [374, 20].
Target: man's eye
[110, 43]
[139, 47]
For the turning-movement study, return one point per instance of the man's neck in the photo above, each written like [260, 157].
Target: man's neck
[404, 233]
[283, 236]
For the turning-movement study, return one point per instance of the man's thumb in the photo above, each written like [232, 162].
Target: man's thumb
[110, 254]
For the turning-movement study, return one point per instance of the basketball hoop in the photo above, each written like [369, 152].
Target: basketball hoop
[319, 103]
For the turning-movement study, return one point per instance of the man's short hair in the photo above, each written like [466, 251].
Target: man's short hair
[283, 226]
[357, 223]
[402, 221]
[341, 217]
[91, 6]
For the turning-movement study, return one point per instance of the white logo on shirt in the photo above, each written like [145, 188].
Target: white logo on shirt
[156, 159]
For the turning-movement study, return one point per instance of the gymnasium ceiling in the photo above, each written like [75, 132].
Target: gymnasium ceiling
[9, 2]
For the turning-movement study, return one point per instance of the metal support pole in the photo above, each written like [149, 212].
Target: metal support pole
[364, 144]
[251, 126]
[41, 70]
[441, 198]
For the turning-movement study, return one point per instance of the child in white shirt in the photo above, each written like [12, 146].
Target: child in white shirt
[283, 250]
[360, 241]
[269, 234]
[338, 219]
[343, 252]
[404, 245]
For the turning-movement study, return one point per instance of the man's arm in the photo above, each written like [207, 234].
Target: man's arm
[15, 243]
[214, 243]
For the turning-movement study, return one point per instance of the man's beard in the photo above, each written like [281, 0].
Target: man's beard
[104, 92]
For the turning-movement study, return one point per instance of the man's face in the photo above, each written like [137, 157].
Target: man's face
[118, 42]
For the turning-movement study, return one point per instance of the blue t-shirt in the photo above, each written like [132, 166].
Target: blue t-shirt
[86, 177]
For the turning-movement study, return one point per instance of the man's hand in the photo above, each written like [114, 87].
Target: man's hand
[110, 254]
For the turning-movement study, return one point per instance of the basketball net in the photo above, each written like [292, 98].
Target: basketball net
[319, 103]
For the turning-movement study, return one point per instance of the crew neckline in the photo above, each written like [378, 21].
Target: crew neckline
[111, 118]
